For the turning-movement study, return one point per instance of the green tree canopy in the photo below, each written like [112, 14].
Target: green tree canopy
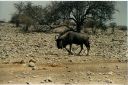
[81, 11]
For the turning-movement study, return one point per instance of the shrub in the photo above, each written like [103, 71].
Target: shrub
[123, 28]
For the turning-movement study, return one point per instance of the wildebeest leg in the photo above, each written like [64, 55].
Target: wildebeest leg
[88, 47]
[81, 49]
[69, 52]
[70, 49]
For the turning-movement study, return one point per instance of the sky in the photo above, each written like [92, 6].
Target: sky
[7, 10]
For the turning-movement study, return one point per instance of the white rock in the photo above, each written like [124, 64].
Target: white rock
[34, 76]
[90, 73]
[10, 81]
[42, 82]
[90, 79]
[117, 67]
[110, 73]
[31, 64]
[34, 68]
[108, 81]
[100, 73]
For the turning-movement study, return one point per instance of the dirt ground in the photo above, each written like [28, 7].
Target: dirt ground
[32, 58]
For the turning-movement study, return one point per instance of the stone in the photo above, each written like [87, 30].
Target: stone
[67, 84]
[117, 67]
[34, 68]
[68, 71]
[69, 60]
[90, 79]
[110, 73]
[22, 62]
[34, 76]
[100, 73]
[32, 60]
[29, 83]
[48, 80]
[10, 81]
[90, 73]
[108, 81]
[31, 64]
[42, 82]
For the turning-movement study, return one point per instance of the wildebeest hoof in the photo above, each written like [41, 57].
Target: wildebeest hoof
[78, 54]
[87, 54]
[70, 53]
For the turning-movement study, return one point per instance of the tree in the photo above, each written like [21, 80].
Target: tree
[81, 11]
[19, 7]
[27, 14]
[27, 8]
[33, 11]
[50, 14]
[113, 25]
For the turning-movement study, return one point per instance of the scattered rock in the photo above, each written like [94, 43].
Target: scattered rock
[10, 81]
[90, 73]
[66, 67]
[99, 80]
[22, 62]
[32, 60]
[6, 62]
[44, 69]
[90, 79]
[117, 67]
[68, 71]
[103, 67]
[71, 79]
[31, 64]
[53, 65]
[34, 76]
[119, 61]
[48, 80]
[110, 73]
[69, 60]
[19, 62]
[63, 75]
[28, 83]
[100, 73]
[67, 84]
[42, 82]
[106, 76]
[108, 81]
[34, 68]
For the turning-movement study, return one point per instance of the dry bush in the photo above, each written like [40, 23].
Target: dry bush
[123, 28]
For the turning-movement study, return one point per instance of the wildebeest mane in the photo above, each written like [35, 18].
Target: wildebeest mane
[60, 34]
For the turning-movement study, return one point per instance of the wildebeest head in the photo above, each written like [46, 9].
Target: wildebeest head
[58, 42]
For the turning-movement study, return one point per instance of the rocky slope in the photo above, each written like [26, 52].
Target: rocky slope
[38, 51]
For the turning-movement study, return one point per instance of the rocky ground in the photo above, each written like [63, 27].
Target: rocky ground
[30, 58]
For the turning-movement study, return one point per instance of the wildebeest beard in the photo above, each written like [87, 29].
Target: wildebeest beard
[59, 44]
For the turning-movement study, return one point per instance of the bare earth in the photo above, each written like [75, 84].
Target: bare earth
[106, 64]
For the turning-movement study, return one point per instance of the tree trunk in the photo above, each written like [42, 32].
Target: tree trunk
[25, 28]
[17, 23]
[78, 27]
[94, 30]
[113, 30]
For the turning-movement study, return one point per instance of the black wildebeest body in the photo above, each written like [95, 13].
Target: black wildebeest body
[71, 37]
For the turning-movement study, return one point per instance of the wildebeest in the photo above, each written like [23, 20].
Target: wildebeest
[71, 37]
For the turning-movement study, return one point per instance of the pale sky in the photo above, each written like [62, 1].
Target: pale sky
[7, 9]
